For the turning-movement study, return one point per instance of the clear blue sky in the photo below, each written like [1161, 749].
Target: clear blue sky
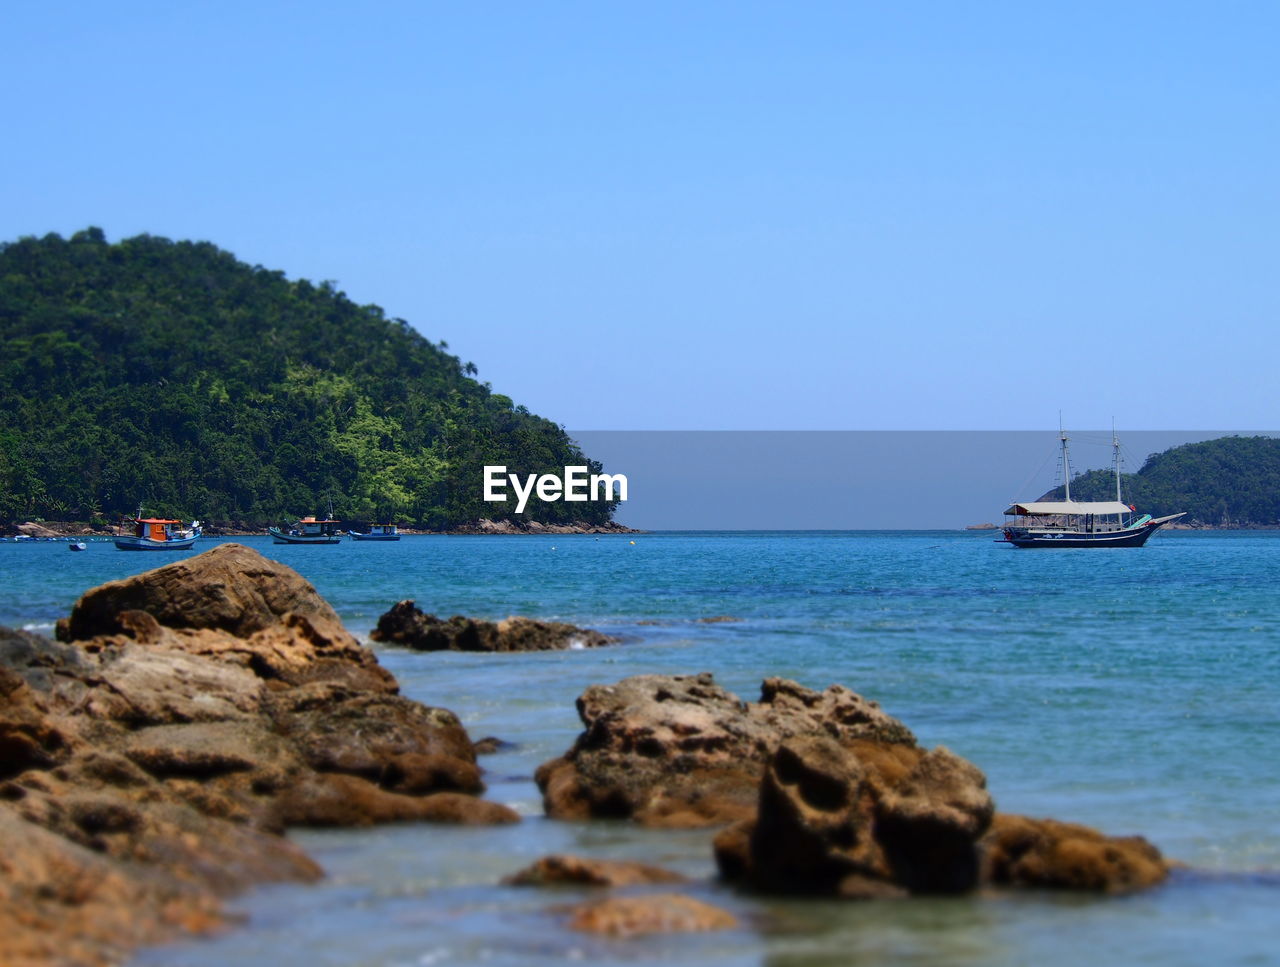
[711, 215]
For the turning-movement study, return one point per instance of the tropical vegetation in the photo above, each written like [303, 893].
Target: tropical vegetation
[1231, 481]
[171, 375]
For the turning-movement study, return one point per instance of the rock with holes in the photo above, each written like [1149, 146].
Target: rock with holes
[861, 820]
[865, 820]
[823, 793]
[679, 750]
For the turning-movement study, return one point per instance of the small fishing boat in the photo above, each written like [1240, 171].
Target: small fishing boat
[378, 532]
[158, 534]
[78, 546]
[1079, 523]
[308, 530]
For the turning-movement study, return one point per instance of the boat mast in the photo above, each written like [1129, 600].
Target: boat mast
[1066, 462]
[1115, 459]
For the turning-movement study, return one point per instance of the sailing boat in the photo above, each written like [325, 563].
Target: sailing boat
[1078, 523]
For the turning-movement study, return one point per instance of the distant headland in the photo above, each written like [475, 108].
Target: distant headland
[1232, 482]
[172, 375]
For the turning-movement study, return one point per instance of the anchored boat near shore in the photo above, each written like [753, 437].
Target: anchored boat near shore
[158, 534]
[1075, 523]
[308, 530]
[378, 532]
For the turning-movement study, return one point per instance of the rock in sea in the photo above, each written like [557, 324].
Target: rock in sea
[679, 750]
[405, 624]
[825, 794]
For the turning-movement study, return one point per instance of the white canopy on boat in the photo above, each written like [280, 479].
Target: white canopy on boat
[1045, 507]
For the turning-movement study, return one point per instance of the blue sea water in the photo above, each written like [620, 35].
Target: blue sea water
[1133, 690]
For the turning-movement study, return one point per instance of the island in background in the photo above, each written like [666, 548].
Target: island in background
[172, 375]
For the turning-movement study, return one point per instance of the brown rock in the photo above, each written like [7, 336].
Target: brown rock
[342, 800]
[860, 820]
[679, 750]
[870, 820]
[32, 529]
[815, 821]
[27, 739]
[62, 903]
[415, 773]
[1047, 853]
[209, 749]
[584, 871]
[371, 735]
[142, 686]
[153, 761]
[230, 588]
[929, 824]
[489, 745]
[405, 624]
[633, 916]
[37, 659]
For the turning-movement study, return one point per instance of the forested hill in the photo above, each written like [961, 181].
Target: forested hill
[169, 374]
[1232, 481]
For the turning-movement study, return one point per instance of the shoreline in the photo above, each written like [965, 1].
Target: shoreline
[67, 530]
[61, 529]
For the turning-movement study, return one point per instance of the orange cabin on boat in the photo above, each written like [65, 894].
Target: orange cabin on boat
[153, 528]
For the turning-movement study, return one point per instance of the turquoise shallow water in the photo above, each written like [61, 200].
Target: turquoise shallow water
[1130, 689]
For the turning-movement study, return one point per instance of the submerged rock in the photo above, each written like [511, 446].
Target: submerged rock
[1046, 853]
[406, 624]
[584, 871]
[679, 750]
[633, 916]
[150, 761]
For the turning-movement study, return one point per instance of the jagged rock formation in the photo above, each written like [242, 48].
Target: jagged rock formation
[679, 750]
[826, 794]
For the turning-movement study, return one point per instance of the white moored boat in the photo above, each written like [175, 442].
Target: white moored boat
[378, 532]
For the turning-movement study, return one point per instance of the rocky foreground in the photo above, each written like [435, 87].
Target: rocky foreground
[153, 756]
[824, 794]
[151, 759]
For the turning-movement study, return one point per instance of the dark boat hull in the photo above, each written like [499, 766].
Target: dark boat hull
[280, 537]
[1133, 538]
[146, 544]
